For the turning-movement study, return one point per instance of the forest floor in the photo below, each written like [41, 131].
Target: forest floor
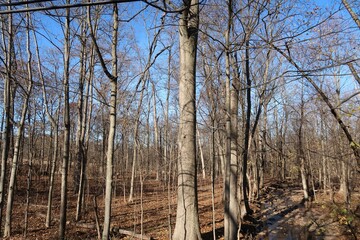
[280, 213]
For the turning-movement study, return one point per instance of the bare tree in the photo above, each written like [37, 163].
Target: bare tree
[19, 136]
[112, 115]
[66, 119]
[7, 43]
[187, 219]
[231, 206]
[55, 129]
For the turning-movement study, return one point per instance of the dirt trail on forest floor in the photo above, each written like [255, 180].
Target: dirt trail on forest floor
[283, 214]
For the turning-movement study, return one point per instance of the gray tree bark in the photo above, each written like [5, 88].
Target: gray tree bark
[301, 154]
[21, 124]
[66, 141]
[353, 15]
[247, 126]
[187, 219]
[112, 117]
[7, 110]
[231, 205]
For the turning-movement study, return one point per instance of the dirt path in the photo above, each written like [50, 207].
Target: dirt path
[284, 214]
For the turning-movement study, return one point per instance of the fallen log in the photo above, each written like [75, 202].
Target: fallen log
[85, 225]
[131, 234]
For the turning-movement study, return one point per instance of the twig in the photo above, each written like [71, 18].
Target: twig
[97, 218]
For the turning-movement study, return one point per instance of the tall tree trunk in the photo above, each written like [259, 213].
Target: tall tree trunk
[264, 154]
[112, 115]
[14, 167]
[80, 111]
[55, 131]
[187, 219]
[31, 131]
[247, 126]
[166, 143]
[136, 142]
[157, 154]
[301, 153]
[66, 141]
[231, 207]
[7, 112]
[81, 157]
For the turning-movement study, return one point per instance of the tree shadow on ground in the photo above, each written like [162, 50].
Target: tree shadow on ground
[251, 226]
[219, 232]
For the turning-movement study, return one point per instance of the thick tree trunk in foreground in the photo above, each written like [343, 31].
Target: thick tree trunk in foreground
[187, 219]
[231, 207]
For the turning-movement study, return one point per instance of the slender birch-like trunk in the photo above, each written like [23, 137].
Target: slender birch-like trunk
[14, 167]
[7, 40]
[112, 108]
[66, 141]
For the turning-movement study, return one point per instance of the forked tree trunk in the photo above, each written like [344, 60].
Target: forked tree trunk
[187, 218]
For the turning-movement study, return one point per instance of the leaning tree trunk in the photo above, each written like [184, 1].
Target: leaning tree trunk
[14, 167]
[355, 147]
[112, 115]
[55, 130]
[187, 218]
[353, 15]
